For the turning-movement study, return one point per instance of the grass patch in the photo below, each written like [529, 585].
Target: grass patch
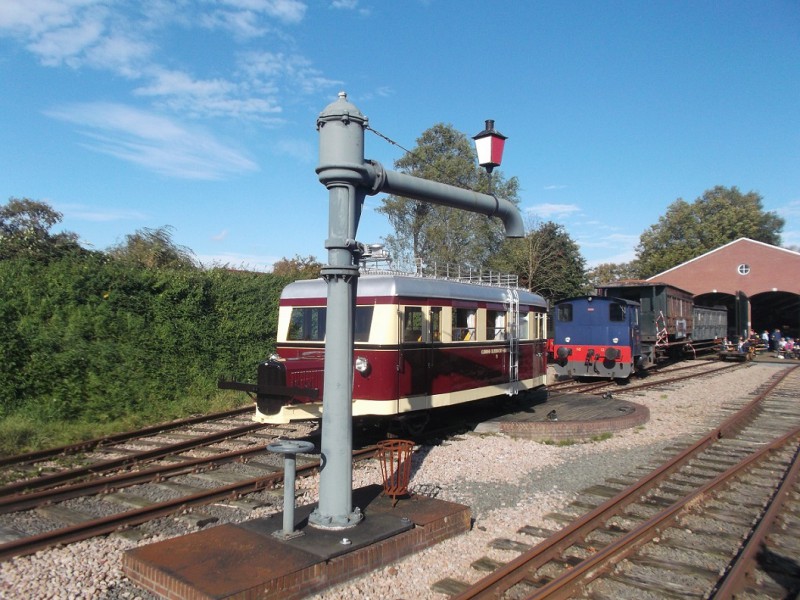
[21, 433]
[567, 442]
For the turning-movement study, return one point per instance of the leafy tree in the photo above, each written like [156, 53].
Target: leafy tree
[25, 226]
[153, 248]
[609, 272]
[719, 216]
[298, 267]
[431, 233]
[547, 261]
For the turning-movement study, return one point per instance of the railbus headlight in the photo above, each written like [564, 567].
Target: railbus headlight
[362, 365]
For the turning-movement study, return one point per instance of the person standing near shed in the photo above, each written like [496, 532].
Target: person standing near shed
[775, 340]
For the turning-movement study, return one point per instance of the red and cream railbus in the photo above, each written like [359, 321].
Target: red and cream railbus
[419, 344]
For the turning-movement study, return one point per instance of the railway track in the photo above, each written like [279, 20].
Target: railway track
[717, 520]
[655, 378]
[155, 472]
[232, 489]
[28, 459]
[149, 476]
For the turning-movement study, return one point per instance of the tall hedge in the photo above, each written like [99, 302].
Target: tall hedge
[90, 338]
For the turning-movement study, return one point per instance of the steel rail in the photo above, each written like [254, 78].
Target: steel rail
[18, 502]
[108, 465]
[564, 586]
[89, 445]
[742, 566]
[650, 384]
[517, 569]
[589, 387]
[105, 525]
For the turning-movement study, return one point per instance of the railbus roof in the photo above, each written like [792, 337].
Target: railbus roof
[410, 286]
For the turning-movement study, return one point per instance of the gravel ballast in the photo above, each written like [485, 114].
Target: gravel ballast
[507, 483]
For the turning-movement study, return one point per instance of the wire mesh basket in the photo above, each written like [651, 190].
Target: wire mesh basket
[395, 459]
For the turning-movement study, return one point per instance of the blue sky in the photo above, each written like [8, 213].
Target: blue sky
[200, 114]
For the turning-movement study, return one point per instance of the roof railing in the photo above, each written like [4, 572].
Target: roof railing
[462, 274]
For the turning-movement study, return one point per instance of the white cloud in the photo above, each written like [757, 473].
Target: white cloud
[616, 258]
[246, 18]
[124, 38]
[119, 53]
[181, 93]
[548, 210]
[154, 142]
[301, 150]
[612, 248]
[288, 11]
[173, 83]
[271, 71]
[82, 212]
[344, 4]
[33, 17]
[613, 241]
[56, 31]
[351, 5]
[242, 24]
[66, 44]
[792, 209]
[383, 91]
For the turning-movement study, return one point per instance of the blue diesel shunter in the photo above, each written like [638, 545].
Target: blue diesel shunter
[594, 336]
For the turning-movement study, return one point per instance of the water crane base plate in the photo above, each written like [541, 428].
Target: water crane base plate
[248, 561]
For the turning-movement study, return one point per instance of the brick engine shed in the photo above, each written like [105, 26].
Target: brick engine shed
[769, 277]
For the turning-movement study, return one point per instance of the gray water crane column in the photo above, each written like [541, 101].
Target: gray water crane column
[349, 178]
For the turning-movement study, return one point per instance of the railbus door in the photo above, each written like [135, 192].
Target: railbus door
[414, 353]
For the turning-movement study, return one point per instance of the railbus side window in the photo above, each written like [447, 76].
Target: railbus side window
[524, 325]
[363, 323]
[495, 324]
[413, 323]
[564, 313]
[307, 324]
[464, 324]
[616, 312]
[538, 325]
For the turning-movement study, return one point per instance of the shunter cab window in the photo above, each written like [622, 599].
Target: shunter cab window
[616, 312]
[564, 313]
